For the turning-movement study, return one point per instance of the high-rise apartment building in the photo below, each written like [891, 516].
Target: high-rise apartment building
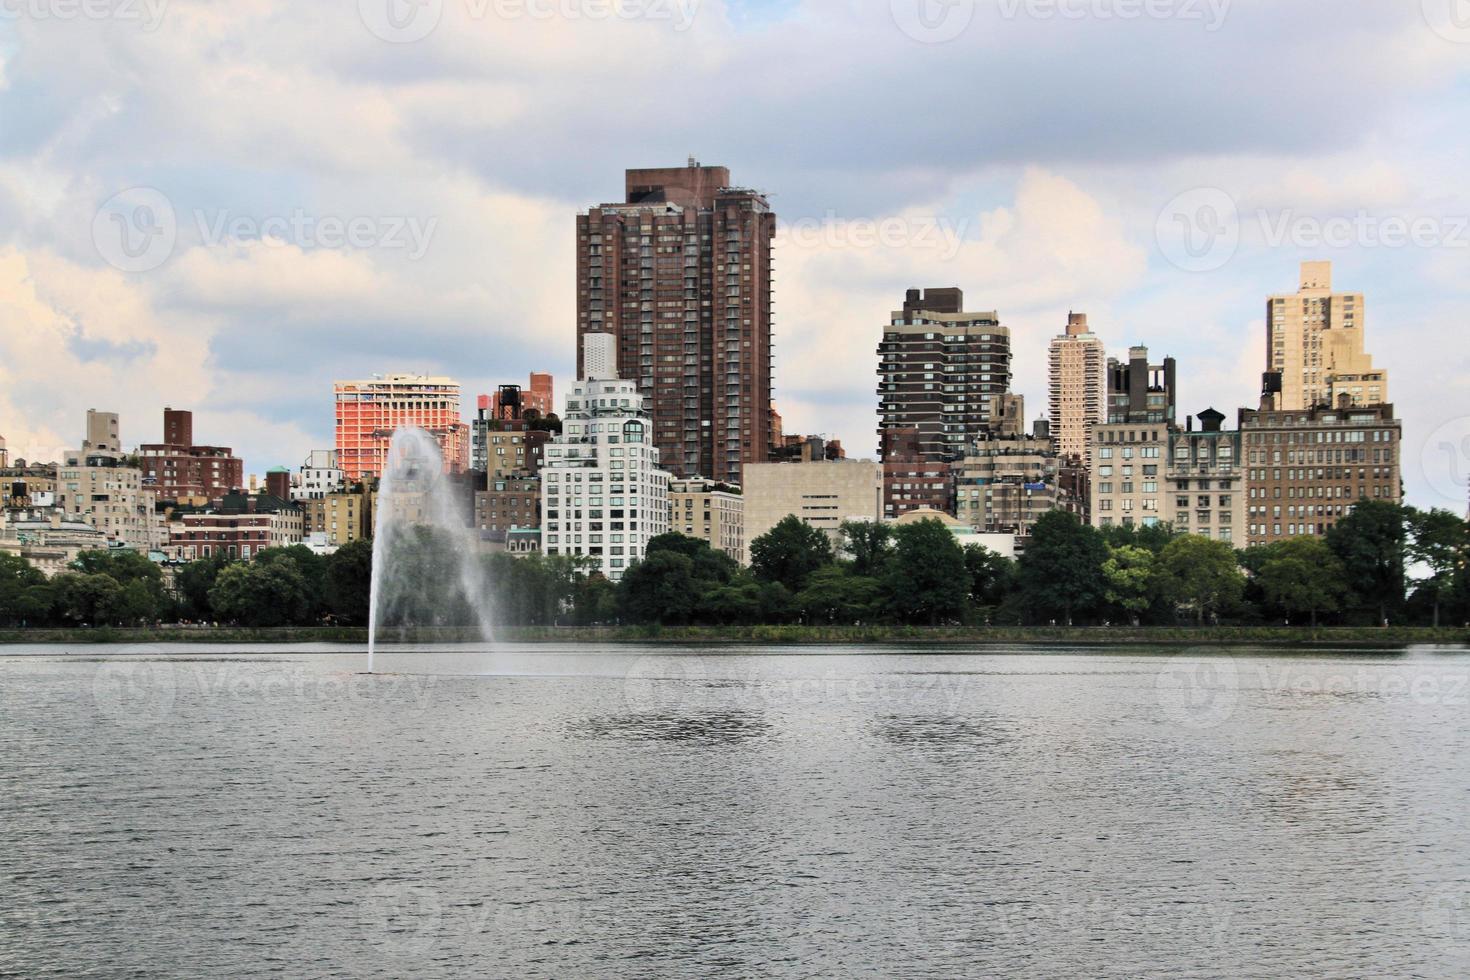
[603, 494]
[1128, 472]
[939, 369]
[911, 482]
[1077, 379]
[1006, 482]
[369, 411]
[680, 273]
[1306, 468]
[1314, 340]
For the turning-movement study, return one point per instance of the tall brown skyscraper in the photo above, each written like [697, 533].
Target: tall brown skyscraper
[939, 371]
[680, 274]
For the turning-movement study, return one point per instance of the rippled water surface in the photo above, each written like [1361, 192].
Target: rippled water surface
[639, 812]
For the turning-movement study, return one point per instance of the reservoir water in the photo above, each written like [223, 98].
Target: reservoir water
[744, 812]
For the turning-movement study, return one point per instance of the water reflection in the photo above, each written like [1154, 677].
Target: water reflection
[715, 727]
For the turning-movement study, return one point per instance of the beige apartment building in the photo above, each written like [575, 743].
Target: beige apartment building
[1206, 481]
[821, 494]
[1077, 381]
[342, 517]
[711, 511]
[1128, 474]
[1314, 340]
[111, 499]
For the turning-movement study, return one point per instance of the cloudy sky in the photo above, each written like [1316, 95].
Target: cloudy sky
[224, 204]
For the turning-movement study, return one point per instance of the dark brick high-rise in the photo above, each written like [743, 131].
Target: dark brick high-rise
[939, 372]
[680, 272]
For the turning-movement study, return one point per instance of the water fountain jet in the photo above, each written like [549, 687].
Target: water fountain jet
[427, 568]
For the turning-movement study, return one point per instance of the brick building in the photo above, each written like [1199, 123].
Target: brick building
[680, 273]
[177, 469]
[939, 371]
[1306, 468]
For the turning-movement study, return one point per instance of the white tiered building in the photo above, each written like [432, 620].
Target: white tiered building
[602, 492]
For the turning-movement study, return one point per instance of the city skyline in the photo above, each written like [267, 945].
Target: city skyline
[248, 334]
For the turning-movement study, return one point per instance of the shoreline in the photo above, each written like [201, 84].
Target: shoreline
[1104, 636]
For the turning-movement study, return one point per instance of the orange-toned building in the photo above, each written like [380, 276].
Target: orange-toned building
[369, 411]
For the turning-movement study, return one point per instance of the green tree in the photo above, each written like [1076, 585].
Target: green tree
[789, 553]
[313, 570]
[834, 595]
[992, 576]
[1440, 541]
[1060, 573]
[261, 595]
[1199, 573]
[658, 589]
[737, 603]
[19, 585]
[192, 583]
[868, 544]
[710, 565]
[926, 579]
[1301, 575]
[1129, 571]
[1371, 543]
[145, 598]
[594, 600]
[349, 581]
[88, 599]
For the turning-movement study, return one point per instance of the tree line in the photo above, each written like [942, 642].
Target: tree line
[911, 574]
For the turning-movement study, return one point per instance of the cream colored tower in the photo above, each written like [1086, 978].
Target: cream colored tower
[1314, 340]
[1077, 375]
